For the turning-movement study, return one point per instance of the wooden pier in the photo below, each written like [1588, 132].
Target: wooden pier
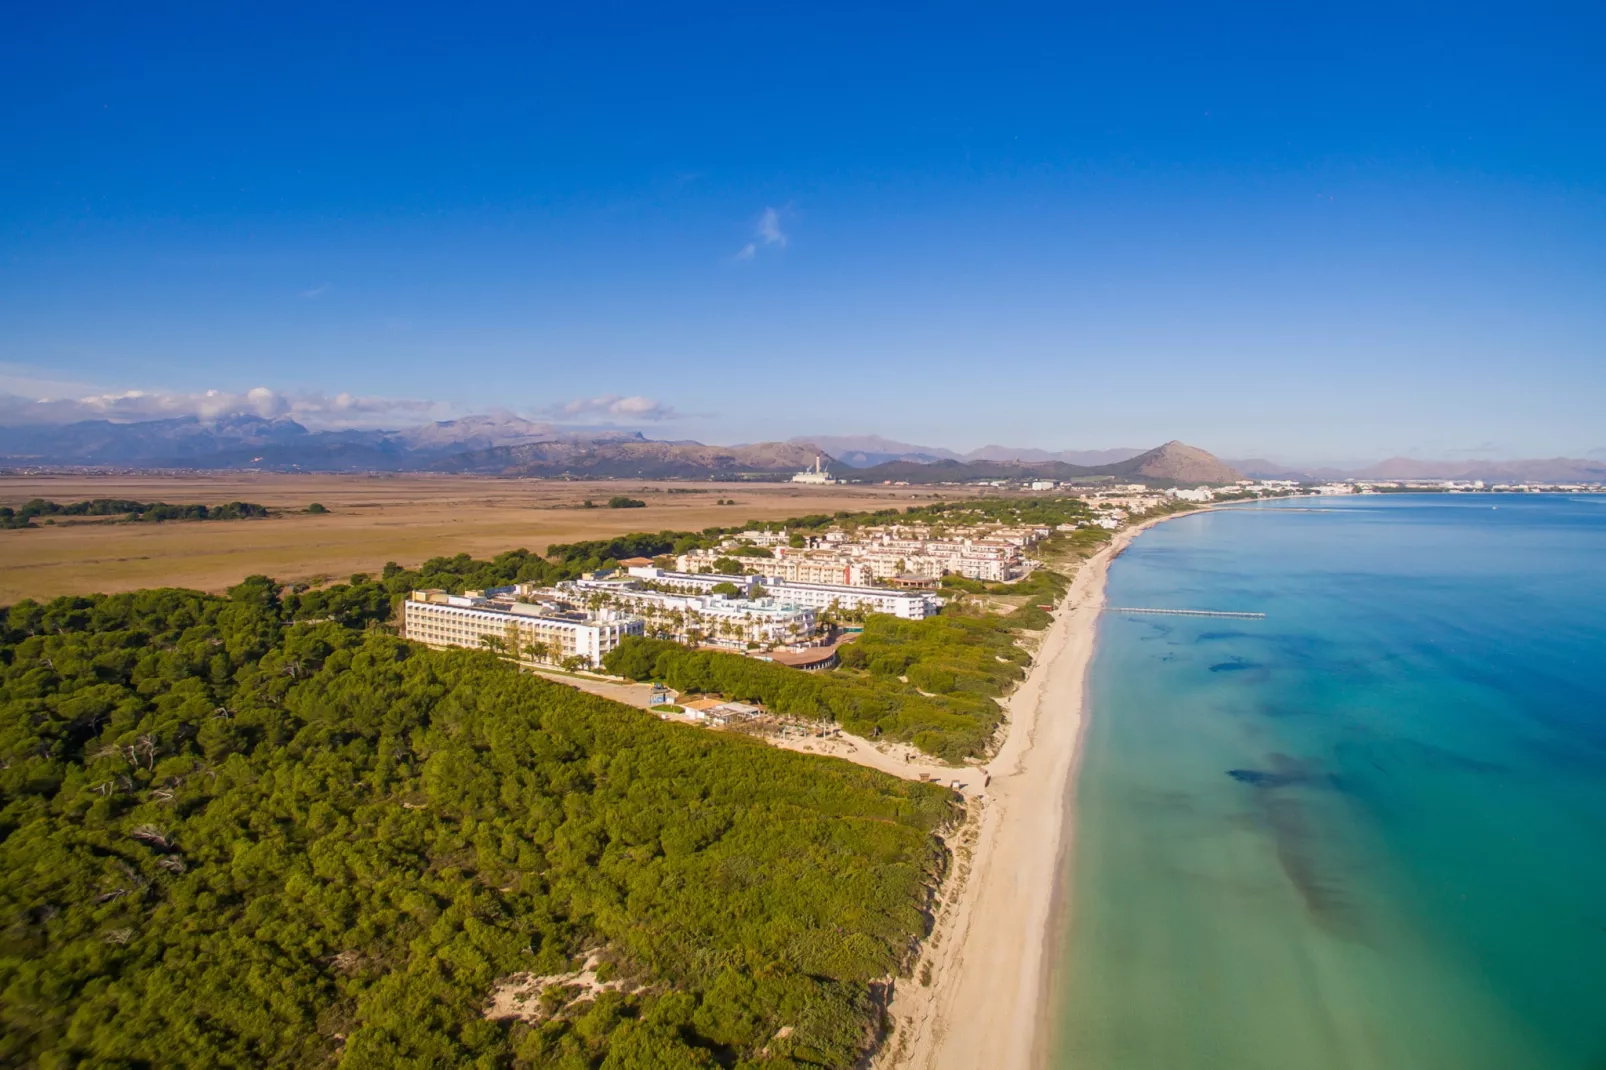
[1187, 612]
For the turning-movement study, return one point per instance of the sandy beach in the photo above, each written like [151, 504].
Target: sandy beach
[984, 964]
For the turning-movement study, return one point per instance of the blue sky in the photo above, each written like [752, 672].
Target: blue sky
[1318, 236]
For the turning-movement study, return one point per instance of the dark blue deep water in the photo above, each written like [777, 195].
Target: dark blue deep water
[1368, 831]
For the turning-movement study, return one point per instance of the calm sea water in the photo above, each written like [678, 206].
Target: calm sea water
[1368, 831]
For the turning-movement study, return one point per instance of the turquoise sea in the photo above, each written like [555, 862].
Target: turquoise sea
[1368, 831]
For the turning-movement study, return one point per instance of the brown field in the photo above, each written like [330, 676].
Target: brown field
[373, 519]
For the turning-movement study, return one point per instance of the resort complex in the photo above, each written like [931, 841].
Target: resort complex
[757, 591]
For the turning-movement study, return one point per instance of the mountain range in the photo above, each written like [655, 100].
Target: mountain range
[512, 446]
[1172, 463]
[249, 441]
[500, 445]
[865, 451]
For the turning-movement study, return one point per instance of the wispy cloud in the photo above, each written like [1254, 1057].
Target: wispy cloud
[767, 233]
[614, 406]
[316, 292]
[1483, 449]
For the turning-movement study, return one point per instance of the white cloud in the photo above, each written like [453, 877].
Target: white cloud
[33, 396]
[769, 228]
[316, 292]
[768, 232]
[66, 402]
[613, 405]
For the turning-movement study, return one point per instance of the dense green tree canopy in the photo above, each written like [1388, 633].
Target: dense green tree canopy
[231, 839]
[23, 516]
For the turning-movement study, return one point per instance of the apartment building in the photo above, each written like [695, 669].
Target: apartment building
[910, 605]
[799, 567]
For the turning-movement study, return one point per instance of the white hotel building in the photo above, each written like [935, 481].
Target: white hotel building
[438, 619]
[909, 605]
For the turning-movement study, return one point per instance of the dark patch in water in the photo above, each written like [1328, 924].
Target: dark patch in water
[1284, 771]
[1306, 857]
[1442, 758]
[1205, 637]
[1237, 665]
[1257, 778]
[1299, 854]
[1278, 710]
[1304, 854]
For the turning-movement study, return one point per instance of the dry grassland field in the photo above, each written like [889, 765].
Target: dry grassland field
[372, 519]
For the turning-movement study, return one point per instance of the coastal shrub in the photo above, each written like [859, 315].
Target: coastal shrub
[228, 838]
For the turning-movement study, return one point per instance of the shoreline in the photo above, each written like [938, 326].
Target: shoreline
[978, 994]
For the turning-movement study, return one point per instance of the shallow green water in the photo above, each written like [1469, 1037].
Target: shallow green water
[1366, 832]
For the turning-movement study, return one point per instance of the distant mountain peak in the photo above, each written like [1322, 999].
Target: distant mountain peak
[1183, 463]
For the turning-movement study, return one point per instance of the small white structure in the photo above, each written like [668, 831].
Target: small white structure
[817, 474]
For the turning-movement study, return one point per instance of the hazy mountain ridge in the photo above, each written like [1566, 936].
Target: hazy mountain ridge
[1174, 462]
[1545, 470]
[644, 459]
[865, 451]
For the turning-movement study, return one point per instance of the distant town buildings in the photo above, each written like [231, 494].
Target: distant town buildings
[873, 555]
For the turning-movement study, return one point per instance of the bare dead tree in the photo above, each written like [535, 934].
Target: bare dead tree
[134, 876]
[150, 834]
